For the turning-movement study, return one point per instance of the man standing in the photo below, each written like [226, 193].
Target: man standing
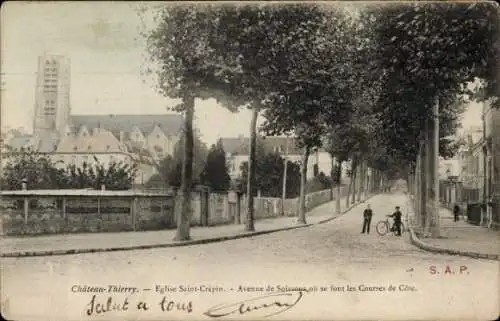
[367, 219]
[397, 220]
[456, 212]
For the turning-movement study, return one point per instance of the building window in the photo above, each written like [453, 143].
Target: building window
[90, 147]
[108, 147]
[75, 148]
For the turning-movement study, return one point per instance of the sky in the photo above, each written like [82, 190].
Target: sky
[107, 63]
[107, 59]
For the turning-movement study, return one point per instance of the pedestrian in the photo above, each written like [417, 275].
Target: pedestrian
[367, 219]
[397, 221]
[456, 212]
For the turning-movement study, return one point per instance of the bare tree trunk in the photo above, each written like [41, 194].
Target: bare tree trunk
[367, 182]
[354, 178]
[339, 180]
[429, 178]
[285, 170]
[435, 229]
[422, 182]
[303, 179]
[349, 189]
[184, 214]
[332, 186]
[249, 224]
[361, 173]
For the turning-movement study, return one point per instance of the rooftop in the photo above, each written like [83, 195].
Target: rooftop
[240, 145]
[171, 124]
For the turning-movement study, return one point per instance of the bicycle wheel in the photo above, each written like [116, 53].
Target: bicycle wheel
[382, 228]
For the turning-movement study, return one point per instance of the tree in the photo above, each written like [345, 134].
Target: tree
[319, 183]
[269, 173]
[40, 172]
[170, 168]
[215, 173]
[312, 90]
[115, 176]
[254, 40]
[187, 67]
[423, 59]
[428, 54]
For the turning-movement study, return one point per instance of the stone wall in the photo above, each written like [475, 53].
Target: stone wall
[268, 207]
[49, 215]
[45, 214]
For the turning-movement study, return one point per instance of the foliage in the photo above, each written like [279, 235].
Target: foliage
[312, 83]
[170, 168]
[215, 173]
[269, 172]
[25, 164]
[319, 183]
[41, 172]
[426, 52]
[336, 174]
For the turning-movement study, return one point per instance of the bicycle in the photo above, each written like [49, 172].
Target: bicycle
[384, 227]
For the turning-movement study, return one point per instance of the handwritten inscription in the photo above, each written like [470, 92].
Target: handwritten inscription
[111, 304]
[267, 305]
[96, 307]
[272, 300]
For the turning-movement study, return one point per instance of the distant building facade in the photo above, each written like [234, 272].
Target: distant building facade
[237, 153]
[77, 139]
[480, 167]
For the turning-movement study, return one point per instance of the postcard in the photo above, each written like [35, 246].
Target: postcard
[249, 160]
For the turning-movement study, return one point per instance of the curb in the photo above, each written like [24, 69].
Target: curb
[172, 244]
[424, 246]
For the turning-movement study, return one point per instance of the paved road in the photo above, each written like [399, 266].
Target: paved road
[333, 255]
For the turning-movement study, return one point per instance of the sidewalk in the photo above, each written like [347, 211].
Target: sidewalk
[105, 242]
[461, 238]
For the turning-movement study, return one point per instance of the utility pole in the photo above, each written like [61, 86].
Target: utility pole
[283, 195]
[435, 226]
[484, 211]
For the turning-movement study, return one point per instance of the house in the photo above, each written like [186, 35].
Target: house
[237, 151]
[135, 139]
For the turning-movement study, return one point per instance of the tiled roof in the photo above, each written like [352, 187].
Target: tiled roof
[240, 145]
[170, 124]
[103, 141]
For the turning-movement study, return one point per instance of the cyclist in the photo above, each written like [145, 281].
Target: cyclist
[397, 221]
